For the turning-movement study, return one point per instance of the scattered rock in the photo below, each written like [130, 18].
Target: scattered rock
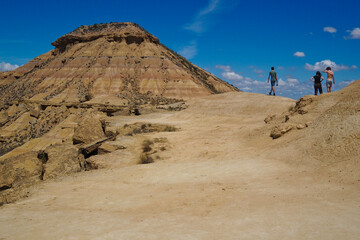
[302, 111]
[269, 118]
[280, 130]
[300, 126]
[302, 104]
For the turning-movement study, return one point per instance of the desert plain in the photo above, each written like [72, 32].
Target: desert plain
[220, 176]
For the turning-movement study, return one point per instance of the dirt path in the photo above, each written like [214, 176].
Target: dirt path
[210, 184]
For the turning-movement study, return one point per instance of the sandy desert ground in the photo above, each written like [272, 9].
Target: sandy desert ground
[221, 177]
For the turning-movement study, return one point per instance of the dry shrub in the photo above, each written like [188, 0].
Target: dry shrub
[146, 145]
[145, 158]
[170, 129]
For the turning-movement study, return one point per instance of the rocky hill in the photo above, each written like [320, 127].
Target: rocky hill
[116, 68]
[118, 61]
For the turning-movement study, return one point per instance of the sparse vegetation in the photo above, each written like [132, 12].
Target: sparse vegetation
[139, 128]
[145, 157]
[146, 146]
[170, 129]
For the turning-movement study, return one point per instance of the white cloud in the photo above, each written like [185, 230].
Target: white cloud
[246, 89]
[299, 54]
[228, 74]
[232, 76]
[7, 66]
[225, 68]
[281, 82]
[258, 71]
[345, 83]
[330, 29]
[319, 66]
[290, 82]
[189, 51]
[354, 34]
[210, 8]
[198, 24]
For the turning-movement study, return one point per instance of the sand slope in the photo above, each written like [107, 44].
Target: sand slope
[221, 177]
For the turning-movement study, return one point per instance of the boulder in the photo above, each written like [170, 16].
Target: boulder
[62, 159]
[280, 130]
[108, 147]
[3, 118]
[23, 168]
[89, 129]
[269, 118]
[12, 110]
[300, 126]
[34, 113]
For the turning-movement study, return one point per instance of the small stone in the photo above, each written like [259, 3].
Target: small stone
[300, 126]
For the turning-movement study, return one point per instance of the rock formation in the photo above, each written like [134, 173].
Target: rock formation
[117, 63]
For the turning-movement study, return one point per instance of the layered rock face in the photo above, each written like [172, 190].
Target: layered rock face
[115, 62]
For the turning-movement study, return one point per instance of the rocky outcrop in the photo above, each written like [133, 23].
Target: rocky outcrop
[115, 60]
[112, 32]
[24, 168]
[90, 129]
[60, 160]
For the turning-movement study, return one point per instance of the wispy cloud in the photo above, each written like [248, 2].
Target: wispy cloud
[189, 51]
[319, 66]
[330, 29]
[198, 25]
[354, 34]
[232, 76]
[7, 66]
[228, 74]
[256, 70]
[299, 54]
[224, 68]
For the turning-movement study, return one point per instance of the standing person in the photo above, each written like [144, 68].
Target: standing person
[274, 79]
[330, 78]
[317, 79]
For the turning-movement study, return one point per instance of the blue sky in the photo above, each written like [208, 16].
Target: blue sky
[237, 41]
